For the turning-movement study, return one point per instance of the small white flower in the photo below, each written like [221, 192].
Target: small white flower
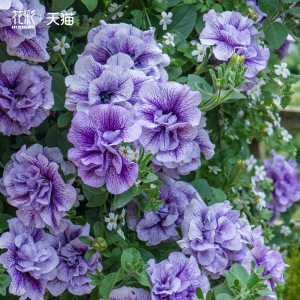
[112, 221]
[129, 153]
[122, 216]
[250, 162]
[285, 230]
[240, 203]
[79, 197]
[275, 247]
[254, 93]
[166, 19]
[269, 129]
[61, 45]
[260, 201]
[193, 42]
[244, 219]
[86, 21]
[152, 186]
[112, 8]
[253, 184]
[247, 122]
[169, 39]
[121, 233]
[282, 70]
[260, 82]
[137, 183]
[285, 135]
[214, 169]
[69, 11]
[260, 172]
[276, 99]
[200, 52]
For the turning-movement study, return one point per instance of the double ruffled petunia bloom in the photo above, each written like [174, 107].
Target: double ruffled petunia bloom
[97, 137]
[27, 40]
[230, 32]
[170, 118]
[107, 40]
[176, 278]
[25, 97]
[30, 259]
[33, 185]
[73, 267]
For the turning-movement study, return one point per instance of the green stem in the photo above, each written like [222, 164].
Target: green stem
[63, 62]
[230, 92]
[146, 13]
[108, 18]
[250, 216]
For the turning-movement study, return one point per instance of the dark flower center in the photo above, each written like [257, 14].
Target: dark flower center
[105, 97]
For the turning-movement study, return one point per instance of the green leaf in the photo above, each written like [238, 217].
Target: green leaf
[124, 198]
[59, 90]
[295, 11]
[231, 278]
[59, 5]
[114, 257]
[3, 221]
[6, 280]
[209, 295]
[193, 80]
[127, 257]
[137, 18]
[97, 199]
[275, 33]
[160, 5]
[183, 20]
[90, 4]
[217, 195]
[265, 292]
[92, 276]
[199, 293]
[144, 279]
[108, 284]
[78, 31]
[98, 229]
[268, 6]
[150, 178]
[252, 281]
[86, 240]
[200, 24]
[89, 254]
[224, 297]
[285, 101]
[266, 214]
[64, 119]
[2, 290]
[202, 188]
[241, 272]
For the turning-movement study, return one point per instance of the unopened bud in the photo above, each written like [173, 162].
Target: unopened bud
[251, 14]
[237, 171]
[99, 244]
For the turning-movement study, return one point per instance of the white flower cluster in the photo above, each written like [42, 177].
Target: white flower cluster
[112, 222]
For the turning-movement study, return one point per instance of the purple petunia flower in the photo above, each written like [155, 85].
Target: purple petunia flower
[25, 97]
[93, 83]
[108, 39]
[176, 278]
[73, 267]
[170, 118]
[26, 43]
[212, 235]
[159, 226]
[129, 293]
[30, 260]
[35, 187]
[201, 144]
[286, 182]
[230, 33]
[97, 137]
[270, 259]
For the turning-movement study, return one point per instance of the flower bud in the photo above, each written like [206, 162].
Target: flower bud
[237, 171]
[99, 244]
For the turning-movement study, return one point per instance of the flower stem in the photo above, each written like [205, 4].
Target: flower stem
[108, 18]
[63, 62]
[146, 13]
